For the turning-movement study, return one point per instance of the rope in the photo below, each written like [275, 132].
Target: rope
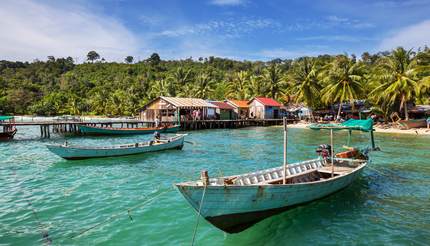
[198, 215]
[127, 211]
[44, 233]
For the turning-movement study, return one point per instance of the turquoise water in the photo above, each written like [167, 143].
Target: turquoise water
[44, 199]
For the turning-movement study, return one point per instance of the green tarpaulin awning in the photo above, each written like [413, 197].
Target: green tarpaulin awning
[5, 117]
[351, 124]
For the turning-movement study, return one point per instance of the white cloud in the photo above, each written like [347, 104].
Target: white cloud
[31, 30]
[413, 36]
[225, 28]
[283, 53]
[331, 38]
[228, 2]
[396, 4]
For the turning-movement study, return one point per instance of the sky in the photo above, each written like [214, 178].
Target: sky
[236, 29]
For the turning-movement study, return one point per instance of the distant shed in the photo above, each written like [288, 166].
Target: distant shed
[264, 108]
[224, 111]
[240, 108]
[167, 108]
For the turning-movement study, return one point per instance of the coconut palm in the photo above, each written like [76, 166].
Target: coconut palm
[161, 87]
[343, 79]
[204, 85]
[238, 84]
[273, 78]
[304, 79]
[398, 79]
[255, 87]
[181, 76]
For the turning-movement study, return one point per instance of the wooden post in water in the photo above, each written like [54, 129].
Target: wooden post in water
[332, 152]
[285, 150]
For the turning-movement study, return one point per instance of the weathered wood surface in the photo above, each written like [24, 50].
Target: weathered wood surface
[84, 152]
[254, 196]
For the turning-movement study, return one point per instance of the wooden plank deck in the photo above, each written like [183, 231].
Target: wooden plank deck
[46, 127]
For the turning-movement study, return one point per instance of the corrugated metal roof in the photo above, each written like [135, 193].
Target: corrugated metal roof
[267, 101]
[222, 105]
[188, 102]
[239, 103]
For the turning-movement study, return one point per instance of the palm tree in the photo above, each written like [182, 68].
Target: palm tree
[304, 77]
[272, 77]
[204, 85]
[238, 84]
[181, 76]
[344, 81]
[255, 87]
[398, 79]
[162, 87]
[222, 91]
[424, 90]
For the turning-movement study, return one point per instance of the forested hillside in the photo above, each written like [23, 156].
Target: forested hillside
[388, 80]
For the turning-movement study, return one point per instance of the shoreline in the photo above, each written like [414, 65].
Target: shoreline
[378, 129]
[301, 125]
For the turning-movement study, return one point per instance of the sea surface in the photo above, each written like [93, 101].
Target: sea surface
[132, 201]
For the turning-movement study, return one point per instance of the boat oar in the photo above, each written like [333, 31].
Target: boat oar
[189, 142]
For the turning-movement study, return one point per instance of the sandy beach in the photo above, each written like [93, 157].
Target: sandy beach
[379, 129]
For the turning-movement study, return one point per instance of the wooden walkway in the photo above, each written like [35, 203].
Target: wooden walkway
[71, 127]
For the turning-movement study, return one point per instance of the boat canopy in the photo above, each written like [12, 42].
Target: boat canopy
[351, 124]
[4, 117]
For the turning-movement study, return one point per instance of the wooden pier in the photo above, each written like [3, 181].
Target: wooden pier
[71, 127]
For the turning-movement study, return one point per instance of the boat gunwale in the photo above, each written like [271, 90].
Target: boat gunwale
[119, 146]
[130, 129]
[194, 184]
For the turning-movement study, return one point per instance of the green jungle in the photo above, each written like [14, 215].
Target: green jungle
[387, 80]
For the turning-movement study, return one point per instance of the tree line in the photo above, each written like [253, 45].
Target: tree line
[387, 80]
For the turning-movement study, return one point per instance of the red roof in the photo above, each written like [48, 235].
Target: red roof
[267, 101]
[222, 105]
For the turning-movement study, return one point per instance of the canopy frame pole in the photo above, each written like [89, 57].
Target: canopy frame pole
[372, 139]
[349, 137]
[332, 153]
[285, 150]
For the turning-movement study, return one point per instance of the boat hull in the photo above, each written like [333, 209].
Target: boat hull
[408, 124]
[77, 153]
[236, 208]
[91, 130]
[7, 135]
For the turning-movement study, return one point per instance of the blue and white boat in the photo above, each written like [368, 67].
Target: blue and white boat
[234, 203]
[71, 152]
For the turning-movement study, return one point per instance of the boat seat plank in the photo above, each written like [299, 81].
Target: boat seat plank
[288, 177]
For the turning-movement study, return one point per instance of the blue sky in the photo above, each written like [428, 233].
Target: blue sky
[238, 29]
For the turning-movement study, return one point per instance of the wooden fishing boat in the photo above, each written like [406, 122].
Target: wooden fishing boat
[234, 203]
[93, 130]
[9, 130]
[408, 124]
[83, 152]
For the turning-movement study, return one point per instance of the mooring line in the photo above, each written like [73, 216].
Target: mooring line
[127, 212]
[45, 234]
[198, 215]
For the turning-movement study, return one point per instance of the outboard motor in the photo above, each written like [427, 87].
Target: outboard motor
[157, 135]
[324, 150]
